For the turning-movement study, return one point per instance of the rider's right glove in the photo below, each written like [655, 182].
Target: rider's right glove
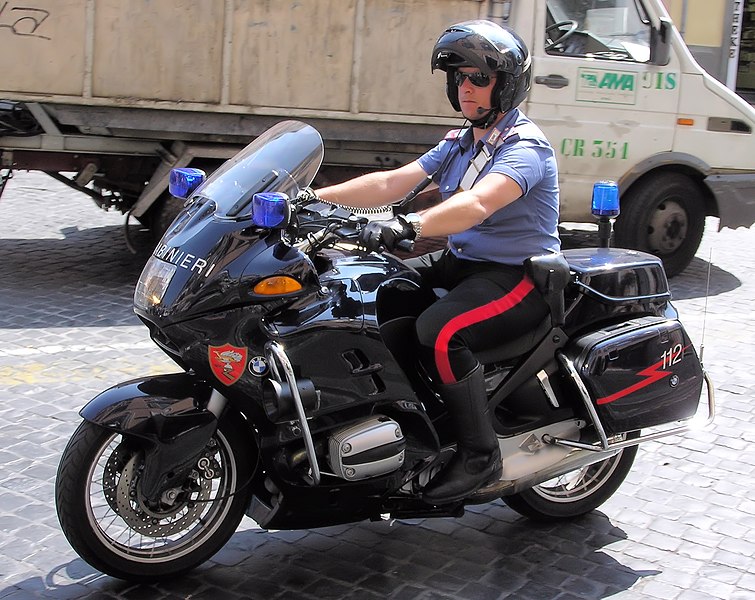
[377, 235]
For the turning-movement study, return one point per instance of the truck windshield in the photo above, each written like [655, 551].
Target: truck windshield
[283, 159]
[607, 29]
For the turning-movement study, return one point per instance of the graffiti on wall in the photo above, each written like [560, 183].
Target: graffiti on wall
[25, 21]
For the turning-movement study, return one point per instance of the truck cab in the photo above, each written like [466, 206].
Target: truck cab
[620, 97]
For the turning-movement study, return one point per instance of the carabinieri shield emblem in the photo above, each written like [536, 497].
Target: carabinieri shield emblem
[227, 362]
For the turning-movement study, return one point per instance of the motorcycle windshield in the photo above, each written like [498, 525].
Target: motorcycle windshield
[283, 159]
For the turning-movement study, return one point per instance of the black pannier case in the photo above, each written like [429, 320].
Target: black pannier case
[611, 284]
[639, 373]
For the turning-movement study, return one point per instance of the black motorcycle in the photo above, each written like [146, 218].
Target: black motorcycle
[300, 402]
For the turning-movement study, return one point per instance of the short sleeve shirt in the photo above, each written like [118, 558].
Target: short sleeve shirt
[526, 227]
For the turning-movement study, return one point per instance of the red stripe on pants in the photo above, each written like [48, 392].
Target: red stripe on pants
[472, 317]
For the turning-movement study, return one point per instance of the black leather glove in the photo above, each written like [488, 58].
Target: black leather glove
[307, 196]
[377, 235]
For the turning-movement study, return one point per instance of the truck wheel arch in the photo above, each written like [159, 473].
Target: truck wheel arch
[677, 162]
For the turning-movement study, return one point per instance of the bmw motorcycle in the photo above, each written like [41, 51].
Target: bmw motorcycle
[299, 401]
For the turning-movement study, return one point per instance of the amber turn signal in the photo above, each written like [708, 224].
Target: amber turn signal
[280, 284]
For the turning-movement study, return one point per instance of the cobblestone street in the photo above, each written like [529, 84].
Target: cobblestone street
[681, 527]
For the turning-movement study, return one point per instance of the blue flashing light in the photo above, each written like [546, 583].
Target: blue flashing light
[184, 181]
[270, 209]
[605, 199]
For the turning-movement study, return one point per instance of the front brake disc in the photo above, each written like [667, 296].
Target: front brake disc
[160, 522]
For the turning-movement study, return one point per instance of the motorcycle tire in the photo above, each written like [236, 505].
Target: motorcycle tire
[577, 492]
[118, 532]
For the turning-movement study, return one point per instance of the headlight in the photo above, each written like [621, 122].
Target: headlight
[153, 282]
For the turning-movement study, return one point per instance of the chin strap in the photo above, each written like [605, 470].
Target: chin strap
[486, 120]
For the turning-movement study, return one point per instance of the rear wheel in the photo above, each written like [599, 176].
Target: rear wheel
[575, 493]
[663, 214]
[112, 526]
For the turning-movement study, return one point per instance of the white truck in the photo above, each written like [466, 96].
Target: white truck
[118, 92]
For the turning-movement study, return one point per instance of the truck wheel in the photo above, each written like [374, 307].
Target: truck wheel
[163, 212]
[663, 214]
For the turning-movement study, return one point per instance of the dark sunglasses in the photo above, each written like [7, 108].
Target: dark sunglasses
[476, 79]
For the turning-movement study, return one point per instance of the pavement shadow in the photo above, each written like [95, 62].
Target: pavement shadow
[701, 278]
[98, 255]
[492, 553]
[85, 279]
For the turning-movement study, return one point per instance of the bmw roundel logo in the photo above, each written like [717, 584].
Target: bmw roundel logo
[258, 366]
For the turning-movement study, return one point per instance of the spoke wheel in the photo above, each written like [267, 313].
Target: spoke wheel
[117, 530]
[576, 492]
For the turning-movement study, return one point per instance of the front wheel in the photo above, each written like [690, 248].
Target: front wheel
[113, 527]
[575, 493]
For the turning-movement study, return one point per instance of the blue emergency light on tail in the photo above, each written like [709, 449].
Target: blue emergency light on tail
[605, 206]
[605, 199]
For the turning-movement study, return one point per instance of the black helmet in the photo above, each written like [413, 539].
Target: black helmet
[493, 49]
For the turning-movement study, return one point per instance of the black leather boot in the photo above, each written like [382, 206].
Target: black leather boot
[477, 461]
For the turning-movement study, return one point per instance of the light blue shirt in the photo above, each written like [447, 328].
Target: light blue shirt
[526, 227]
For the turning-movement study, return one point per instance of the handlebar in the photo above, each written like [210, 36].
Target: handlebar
[321, 224]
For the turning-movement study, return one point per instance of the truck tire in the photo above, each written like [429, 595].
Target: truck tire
[663, 214]
[162, 213]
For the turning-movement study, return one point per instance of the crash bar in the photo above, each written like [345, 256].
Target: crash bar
[604, 443]
[275, 349]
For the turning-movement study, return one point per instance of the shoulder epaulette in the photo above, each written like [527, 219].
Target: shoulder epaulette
[454, 134]
[526, 131]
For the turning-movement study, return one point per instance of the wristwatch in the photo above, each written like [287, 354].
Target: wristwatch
[415, 221]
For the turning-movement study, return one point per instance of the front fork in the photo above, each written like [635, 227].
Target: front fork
[217, 403]
[171, 418]
[5, 176]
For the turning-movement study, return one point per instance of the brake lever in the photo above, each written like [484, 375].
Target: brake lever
[405, 246]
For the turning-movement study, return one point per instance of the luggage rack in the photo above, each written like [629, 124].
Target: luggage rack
[605, 444]
[593, 293]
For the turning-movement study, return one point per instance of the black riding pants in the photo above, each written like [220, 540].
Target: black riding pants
[487, 305]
